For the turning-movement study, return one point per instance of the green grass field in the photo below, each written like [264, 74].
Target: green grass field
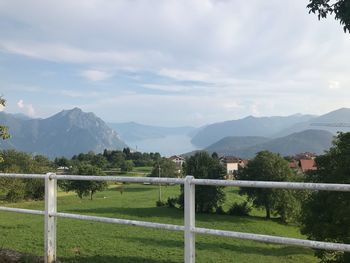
[82, 241]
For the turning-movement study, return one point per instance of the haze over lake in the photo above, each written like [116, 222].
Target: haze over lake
[168, 145]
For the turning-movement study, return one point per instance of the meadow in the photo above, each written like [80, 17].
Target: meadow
[82, 241]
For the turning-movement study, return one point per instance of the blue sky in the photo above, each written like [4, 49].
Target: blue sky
[176, 62]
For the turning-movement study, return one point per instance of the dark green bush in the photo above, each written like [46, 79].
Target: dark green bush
[160, 203]
[240, 209]
[220, 211]
[171, 202]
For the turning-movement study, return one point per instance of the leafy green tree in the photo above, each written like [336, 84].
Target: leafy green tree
[4, 134]
[208, 198]
[62, 161]
[167, 169]
[20, 162]
[84, 188]
[267, 166]
[127, 166]
[341, 9]
[326, 215]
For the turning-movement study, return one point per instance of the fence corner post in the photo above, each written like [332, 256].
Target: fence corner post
[189, 235]
[50, 221]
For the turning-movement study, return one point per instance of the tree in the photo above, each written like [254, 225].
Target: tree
[127, 166]
[341, 9]
[4, 134]
[208, 198]
[167, 169]
[84, 188]
[326, 215]
[267, 166]
[20, 162]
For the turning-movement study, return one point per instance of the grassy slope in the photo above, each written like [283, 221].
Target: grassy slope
[81, 241]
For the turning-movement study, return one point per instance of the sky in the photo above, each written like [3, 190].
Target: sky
[171, 63]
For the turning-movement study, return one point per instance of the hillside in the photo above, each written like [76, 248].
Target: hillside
[316, 141]
[235, 143]
[249, 126]
[64, 134]
[341, 116]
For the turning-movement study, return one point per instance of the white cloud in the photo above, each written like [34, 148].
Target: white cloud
[332, 84]
[95, 75]
[243, 57]
[28, 109]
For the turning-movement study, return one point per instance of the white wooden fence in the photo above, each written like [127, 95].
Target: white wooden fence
[189, 228]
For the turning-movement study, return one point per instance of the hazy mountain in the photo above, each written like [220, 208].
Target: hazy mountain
[340, 116]
[64, 134]
[249, 126]
[316, 141]
[132, 131]
[232, 144]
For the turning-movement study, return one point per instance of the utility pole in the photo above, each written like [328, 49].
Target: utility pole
[160, 187]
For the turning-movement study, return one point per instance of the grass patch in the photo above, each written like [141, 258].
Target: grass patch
[81, 241]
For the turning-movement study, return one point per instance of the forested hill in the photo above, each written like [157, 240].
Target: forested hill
[316, 141]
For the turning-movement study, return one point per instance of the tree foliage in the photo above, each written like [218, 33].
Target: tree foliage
[84, 188]
[326, 215]
[208, 198]
[267, 166]
[341, 9]
[20, 162]
[167, 168]
[4, 134]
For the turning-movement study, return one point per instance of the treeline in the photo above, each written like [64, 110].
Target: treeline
[125, 160]
[13, 161]
[20, 162]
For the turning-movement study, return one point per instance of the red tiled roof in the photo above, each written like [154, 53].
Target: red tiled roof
[293, 165]
[307, 165]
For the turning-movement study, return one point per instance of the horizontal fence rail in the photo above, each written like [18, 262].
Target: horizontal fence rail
[188, 228]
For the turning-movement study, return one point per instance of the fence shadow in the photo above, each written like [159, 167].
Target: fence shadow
[111, 259]
[239, 247]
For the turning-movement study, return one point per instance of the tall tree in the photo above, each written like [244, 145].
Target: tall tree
[267, 166]
[84, 188]
[4, 134]
[341, 9]
[326, 215]
[167, 168]
[208, 198]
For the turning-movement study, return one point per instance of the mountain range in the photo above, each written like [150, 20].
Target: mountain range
[315, 141]
[73, 131]
[272, 127]
[66, 133]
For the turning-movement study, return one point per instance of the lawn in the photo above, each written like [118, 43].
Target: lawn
[82, 241]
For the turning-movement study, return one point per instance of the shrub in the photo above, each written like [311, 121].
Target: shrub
[171, 202]
[220, 211]
[35, 189]
[242, 209]
[160, 203]
[15, 191]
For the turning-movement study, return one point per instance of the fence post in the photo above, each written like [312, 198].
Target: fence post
[50, 221]
[189, 220]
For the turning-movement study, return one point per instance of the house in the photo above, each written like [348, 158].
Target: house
[178, 160]
[305, 155]
[307, 165]
[231, 164]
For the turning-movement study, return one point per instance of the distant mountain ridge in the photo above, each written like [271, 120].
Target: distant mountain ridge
[316, 141]
[341, 115]
[249, 126]
[66, 133]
